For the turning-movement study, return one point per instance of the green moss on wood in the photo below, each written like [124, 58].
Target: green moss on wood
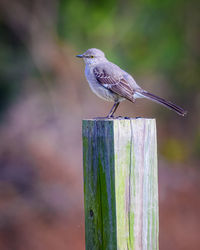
[120, 184]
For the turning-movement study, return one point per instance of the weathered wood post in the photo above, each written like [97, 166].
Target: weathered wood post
[120, 184]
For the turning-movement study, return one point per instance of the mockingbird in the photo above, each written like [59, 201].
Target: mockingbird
[111, 83]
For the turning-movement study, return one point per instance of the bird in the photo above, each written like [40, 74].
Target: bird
[111, 83]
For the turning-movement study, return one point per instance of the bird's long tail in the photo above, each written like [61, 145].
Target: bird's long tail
[170, 105]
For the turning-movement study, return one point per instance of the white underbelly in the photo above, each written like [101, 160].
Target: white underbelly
[99, 90]
[102, 92]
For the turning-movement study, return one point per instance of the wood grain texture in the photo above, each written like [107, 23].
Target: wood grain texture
[120, 184]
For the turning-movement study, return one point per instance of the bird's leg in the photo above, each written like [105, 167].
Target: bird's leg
[112, 111]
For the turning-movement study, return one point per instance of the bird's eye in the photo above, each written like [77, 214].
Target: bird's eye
[91, 56]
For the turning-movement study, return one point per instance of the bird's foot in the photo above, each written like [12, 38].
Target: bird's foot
[103, 118]
[123, 117]
[126, 117]
[117, 117]
[107, 117]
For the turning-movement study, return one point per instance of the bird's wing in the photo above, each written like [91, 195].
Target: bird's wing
[109, 79]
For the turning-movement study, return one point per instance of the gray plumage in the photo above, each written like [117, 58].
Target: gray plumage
[111, 83]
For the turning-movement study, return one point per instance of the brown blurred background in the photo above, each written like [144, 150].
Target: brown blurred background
[44, 96]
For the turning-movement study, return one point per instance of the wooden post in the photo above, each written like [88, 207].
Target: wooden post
[120, 184]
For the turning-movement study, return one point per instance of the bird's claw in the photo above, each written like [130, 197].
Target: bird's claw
[117, 117]
[100, 118]
[123, 117]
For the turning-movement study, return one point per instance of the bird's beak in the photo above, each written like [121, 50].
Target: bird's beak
[79, 56]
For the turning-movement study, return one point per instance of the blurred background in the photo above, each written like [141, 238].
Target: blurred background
[44, 97]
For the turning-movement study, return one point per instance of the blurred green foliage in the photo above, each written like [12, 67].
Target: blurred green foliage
[153, 35]
[15, 65]
[175, 150]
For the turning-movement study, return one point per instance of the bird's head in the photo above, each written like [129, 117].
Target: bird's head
[92, 56]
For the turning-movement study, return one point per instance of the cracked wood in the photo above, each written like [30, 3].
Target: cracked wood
[120, 184]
